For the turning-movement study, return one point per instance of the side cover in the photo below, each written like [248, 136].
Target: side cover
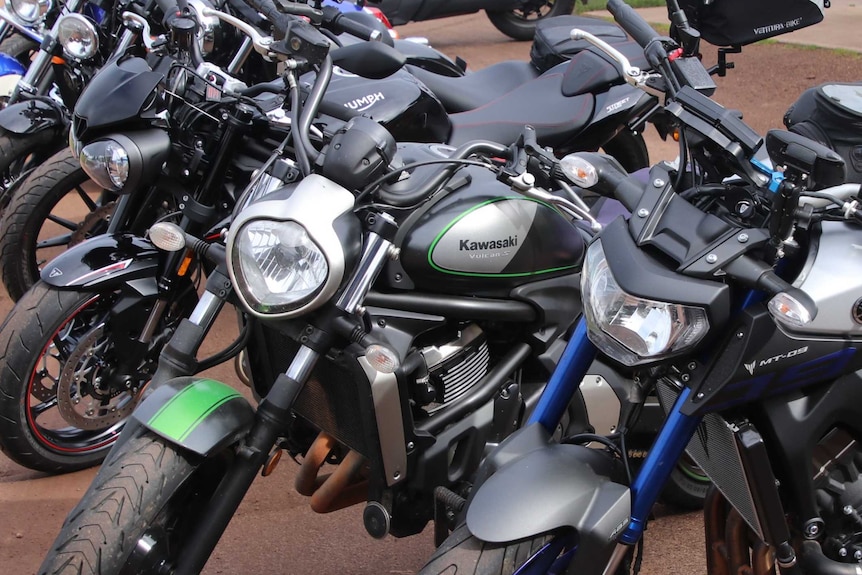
[199, 414]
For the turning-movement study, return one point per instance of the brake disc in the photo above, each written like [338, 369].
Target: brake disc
[81, 400]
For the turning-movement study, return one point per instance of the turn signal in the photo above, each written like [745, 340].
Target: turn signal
[382, 358]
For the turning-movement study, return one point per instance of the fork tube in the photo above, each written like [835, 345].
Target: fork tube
[565, 380]
[241, 56]
[674, 436]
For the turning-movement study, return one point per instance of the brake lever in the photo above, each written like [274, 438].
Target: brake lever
[260, 42]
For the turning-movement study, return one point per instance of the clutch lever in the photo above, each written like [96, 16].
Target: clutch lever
[260, 42]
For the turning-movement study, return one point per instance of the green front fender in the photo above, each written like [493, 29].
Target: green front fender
[199, 414]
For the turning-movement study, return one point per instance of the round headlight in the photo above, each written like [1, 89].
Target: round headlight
[29, 11]
[278, 266]
[107, 163]
[78, 36]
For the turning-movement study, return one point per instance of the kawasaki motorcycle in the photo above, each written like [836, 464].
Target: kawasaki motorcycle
[732, 291]
[360, 347]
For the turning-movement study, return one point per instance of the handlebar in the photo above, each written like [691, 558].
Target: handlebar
[632, 22]
[338, 22]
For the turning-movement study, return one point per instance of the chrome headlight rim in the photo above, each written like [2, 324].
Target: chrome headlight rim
[620, 343]
[67, 25]
[29, 12]
[266, 304]
[107, 163]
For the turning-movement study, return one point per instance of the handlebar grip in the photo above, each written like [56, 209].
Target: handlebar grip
[355, 28]
[632, 22]
[278, 20]
[168, 7]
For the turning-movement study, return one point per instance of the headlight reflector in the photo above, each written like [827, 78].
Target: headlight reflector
[107, 163]
[78, 36]
[30, 11]
[278, 265]
[631, 329]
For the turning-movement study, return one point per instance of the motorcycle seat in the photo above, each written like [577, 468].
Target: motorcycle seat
[539, 103]
[462, 93]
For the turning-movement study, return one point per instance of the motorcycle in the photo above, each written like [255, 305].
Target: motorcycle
[362, 354]
[514, 18]
[725, 292]
[22, 25]
[603, 114]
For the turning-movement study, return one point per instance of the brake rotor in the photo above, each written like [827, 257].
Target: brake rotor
[81, 400]
[97, 216]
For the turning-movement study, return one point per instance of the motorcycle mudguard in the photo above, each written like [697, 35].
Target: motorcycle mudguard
[199, 414]
[106, 261]
[31, 116]
[548, 486]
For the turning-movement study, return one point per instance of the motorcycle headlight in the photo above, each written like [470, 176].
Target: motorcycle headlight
[631, 329]
[277, 264]
[107, 163]
[29, 11]
[123, 162]
[78, 36]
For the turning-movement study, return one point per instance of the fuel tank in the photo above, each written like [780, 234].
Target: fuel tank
[478, 236]
[399, 102]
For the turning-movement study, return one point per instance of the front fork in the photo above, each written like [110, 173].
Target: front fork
[273, 414]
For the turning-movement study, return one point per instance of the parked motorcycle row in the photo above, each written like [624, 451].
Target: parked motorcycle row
[451, 306]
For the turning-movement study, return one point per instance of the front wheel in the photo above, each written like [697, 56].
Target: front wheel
[463, 554]
[56, 207]
[73, 372]
[520, 23]
[138, 512]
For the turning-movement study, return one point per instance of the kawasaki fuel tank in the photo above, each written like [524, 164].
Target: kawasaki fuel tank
[399, 102]
[480, 237]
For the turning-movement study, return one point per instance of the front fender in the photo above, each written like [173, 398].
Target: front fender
[541, 487]
[199, 414]
[32, 116]
[106, 261]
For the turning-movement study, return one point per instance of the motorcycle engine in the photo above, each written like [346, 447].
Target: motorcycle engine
[838, 485]
[454, 368]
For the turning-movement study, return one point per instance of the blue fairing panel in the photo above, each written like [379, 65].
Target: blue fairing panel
[10, 66]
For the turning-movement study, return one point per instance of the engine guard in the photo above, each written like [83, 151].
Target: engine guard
[32, 116]
[106, 261]
[198, 414]
[557, 486]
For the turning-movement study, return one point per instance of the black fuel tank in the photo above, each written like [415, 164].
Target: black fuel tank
[484, 238]
[399, 102]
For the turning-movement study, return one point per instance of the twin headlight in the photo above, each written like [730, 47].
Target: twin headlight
[631, 329]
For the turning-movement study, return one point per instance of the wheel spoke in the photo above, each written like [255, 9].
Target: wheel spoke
[69, 225]
[44, 406]
[86, 198]
[54, 242]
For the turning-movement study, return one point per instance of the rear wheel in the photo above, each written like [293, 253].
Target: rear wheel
[73, 372]
[56, 207]
[520, 23]
[629, 149]
[138, 512]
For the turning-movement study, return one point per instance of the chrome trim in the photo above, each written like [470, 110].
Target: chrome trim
[603, 405]
[25, 29]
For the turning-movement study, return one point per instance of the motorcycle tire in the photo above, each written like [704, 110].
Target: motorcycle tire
[629, 149]
[687, 486]
[520, 24]
[53, 209]
[19, 47]
[57, 414]
[147, 488]
[20, 154]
